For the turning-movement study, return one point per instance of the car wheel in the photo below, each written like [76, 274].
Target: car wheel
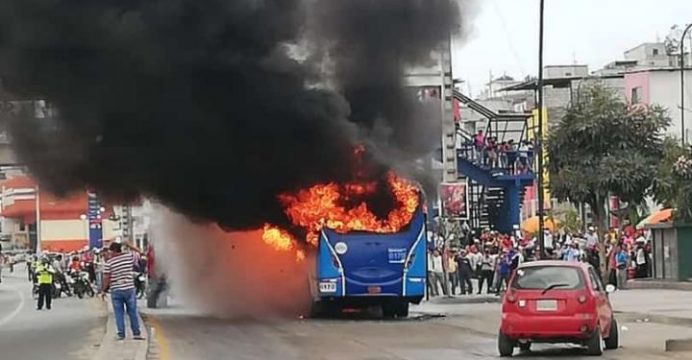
[595, 343]
[525, 346]
[505, 345]
[613, 340]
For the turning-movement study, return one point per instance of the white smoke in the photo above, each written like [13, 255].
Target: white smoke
[229, 275]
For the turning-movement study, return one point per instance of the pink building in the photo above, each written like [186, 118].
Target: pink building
[661, 86]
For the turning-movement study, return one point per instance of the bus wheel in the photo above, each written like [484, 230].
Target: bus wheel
[321, 309]
[317, 309]
[402, 309]
[390, 309]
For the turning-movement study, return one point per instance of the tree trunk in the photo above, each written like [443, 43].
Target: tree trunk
[599, 217]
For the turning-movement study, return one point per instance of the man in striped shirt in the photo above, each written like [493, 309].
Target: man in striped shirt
[117, 274]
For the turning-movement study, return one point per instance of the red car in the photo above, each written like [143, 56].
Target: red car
[557, 302]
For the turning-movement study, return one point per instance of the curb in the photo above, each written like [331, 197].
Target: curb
[112, 349]
[659, 285]
[460, 300]
[158, 345]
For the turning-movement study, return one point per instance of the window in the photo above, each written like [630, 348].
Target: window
[540, 278]
[655, 52]
[636, 95]
[568, 74]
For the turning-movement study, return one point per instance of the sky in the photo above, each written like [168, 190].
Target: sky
[501, 36]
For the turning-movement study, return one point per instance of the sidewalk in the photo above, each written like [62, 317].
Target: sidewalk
[128, 349]
[466, 299]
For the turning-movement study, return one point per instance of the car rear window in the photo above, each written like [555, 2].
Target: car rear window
[540, 278]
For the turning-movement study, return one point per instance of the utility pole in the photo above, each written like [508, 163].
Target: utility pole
[38, 219]
[539, 138]
[682, 83]
[449, 152]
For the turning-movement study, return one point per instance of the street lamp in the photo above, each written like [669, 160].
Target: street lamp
[682, 82]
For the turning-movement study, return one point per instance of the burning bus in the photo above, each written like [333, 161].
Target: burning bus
[369, 240]
[362, 269]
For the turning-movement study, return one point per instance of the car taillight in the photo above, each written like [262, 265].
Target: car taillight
[335, 262]
[511, 298]
[582, 299]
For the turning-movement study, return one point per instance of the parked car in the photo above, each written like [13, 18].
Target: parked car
[557, 302]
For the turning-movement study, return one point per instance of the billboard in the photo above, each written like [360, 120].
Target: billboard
[454, 198]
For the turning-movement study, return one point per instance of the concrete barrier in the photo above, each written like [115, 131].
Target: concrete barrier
[682, 345]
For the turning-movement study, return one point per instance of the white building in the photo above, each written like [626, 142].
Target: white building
[565, 71]
[650, 55]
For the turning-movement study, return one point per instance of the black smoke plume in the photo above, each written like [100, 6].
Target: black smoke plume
[213, 106]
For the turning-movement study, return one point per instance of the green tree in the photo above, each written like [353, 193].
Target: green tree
[604, 146]
[672, 187]
[570, 222]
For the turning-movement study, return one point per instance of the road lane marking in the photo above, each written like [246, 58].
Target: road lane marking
[16, 311]
[161, 341]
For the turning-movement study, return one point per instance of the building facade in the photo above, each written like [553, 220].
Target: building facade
[661, 86]
[63, 225]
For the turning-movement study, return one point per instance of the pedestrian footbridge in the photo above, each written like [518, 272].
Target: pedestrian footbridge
[497, 177]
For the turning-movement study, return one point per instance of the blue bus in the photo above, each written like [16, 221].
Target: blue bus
[361, 269]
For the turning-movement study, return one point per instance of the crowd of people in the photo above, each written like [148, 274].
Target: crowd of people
[486, 262]
[488, 151]
[75, 273]
[91, 261]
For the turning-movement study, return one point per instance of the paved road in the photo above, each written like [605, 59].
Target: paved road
[72, 330]
[457, 336]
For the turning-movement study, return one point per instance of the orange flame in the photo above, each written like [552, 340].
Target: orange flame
[321, 206]
[277, 238]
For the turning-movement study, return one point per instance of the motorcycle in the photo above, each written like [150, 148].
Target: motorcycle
[82, 285]
[56, 289]
[90, 269]
[61, 285]
[140, 283]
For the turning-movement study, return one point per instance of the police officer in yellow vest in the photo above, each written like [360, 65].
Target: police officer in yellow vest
[44, 277]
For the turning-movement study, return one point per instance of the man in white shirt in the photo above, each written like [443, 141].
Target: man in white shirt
[516, 232]
[476, 258]
[640, 260]
[591, 238]
[437, 275]
[548, 244]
